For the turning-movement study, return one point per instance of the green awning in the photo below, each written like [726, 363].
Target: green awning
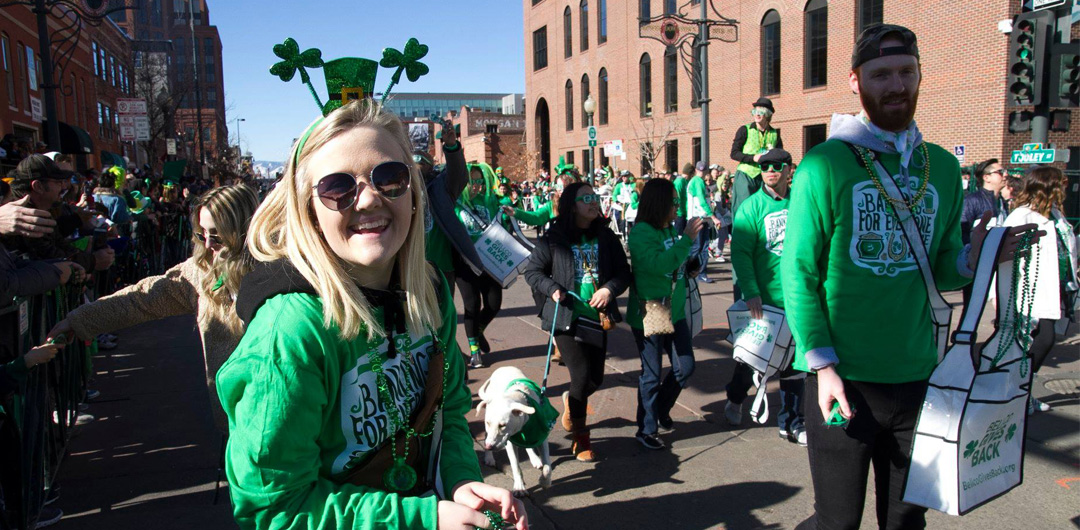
[73, 140]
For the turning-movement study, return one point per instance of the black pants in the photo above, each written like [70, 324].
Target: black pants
[880, 434]
[586, 365]
[482, 297]
[1042, 342]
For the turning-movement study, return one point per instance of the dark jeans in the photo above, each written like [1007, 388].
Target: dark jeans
[586, 365]
[680, 225]
[1042, 342]
[880, 433]
[792, 389]
[656, 397]
[700, 250]
[474, 290]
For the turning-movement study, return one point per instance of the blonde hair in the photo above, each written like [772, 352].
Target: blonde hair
[231, 207]
[284, 227]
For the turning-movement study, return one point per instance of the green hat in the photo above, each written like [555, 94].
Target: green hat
[563, 167]
[347, 79]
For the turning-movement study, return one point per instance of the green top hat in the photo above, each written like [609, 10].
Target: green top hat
[347, 79]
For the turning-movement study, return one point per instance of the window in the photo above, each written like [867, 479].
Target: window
[94, 50]
[5, 44]
[671, 155]
[112, 70]
[568, 33]
[601, 107]
[20, 58]
[31, 69]
[770, 53]
[540, 48]
[584, 96]
[671, 80]
[645, 82]
[604, 162]
[583, 21]
[646, 157]
[569, 157]
[670, 7]
[813, 135]
[104, 63]
[491, 128]
[815, 44]
[568, 96]
[868, 14]
[601, 21]
[695, 149]
[644, 10]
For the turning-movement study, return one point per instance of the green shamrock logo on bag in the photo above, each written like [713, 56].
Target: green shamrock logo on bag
[971, 446]
[1012, 432]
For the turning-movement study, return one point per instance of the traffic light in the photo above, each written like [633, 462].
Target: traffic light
[1027, 57]
[1065, 74]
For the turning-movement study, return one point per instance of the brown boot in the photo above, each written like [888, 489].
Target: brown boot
[566, 423]
[556, 356]
[581, 446]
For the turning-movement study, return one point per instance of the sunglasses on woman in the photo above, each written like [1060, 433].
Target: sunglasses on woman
[589, 199]
[339, 191]
[214, 240]
[774, 167]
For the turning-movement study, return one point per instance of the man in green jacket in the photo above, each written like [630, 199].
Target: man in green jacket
[751, 141]
[680, 183]
[854, 296]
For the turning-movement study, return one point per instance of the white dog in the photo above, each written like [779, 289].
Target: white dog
[504, 402]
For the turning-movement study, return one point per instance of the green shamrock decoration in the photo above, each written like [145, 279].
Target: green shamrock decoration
[971, 446]
[293, 60]
[408, 62]
[1012, 432]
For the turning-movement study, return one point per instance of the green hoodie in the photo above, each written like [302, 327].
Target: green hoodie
[680, 191]
[756, 246]
[303, 409]
[850, 283]
[484, 207]
[654, 256]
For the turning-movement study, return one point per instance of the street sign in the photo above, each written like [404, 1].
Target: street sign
[592, 143]
[958, 150]
[142, 128]
[1045, 4]
[1031, 147]
[130, 106]
[1034, 156]
[170, 146]
[127, 127]
[592, 133]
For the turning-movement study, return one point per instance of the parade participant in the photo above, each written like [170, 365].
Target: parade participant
[680, 191]
[444, 235]
[346, 396]
[658, 258]
[204, 285]
[699, 206]
[751, 141]
[854, 296]
[579, 255]
[620, 195]
[1040, 202]
[481, 294]
[543, 215]
[755, 254]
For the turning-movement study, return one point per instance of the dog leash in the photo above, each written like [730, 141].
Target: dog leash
[551, 344]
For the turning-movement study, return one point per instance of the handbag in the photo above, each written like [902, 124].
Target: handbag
[656, 314]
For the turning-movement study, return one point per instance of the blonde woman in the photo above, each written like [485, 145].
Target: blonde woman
[346, 396]
[204, 285]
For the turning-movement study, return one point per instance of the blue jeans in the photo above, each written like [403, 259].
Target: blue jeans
[701, 248]
[656, 398]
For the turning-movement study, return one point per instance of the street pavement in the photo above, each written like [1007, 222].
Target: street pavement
[151, 458]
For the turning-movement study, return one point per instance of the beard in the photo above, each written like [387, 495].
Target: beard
[896, 119]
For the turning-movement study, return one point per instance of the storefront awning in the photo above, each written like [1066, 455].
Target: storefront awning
[74, 140]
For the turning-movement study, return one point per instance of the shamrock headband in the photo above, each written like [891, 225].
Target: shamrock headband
[347, 78]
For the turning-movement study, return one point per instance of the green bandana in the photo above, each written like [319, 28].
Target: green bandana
[538, 427]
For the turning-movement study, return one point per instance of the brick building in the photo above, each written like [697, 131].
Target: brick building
[97, 73]
[644, 95]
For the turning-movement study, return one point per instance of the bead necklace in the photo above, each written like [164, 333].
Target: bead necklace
[868, 162]
[1017, 323]
[401, 477]
[496, 520]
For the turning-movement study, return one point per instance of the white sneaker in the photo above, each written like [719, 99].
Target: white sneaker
[799, 436]
[1035, 405]
[733, 413]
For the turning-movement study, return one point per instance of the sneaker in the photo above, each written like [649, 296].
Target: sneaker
[799, 436]
[49, 516]
[650, 441]
[106, 345]
[1035, 405]
[719, 259]
[92, 394]
[475, 361]
[704, 279]
[666, 423]
[83, 407]
[733, 413]
[83, 419]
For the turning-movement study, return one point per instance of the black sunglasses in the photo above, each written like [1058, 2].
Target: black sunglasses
[214, 240]
[339, 191]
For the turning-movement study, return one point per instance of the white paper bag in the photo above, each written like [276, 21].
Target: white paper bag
[763, 344]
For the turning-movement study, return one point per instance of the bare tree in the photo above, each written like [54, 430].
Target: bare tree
[652, 136]
[164, 92]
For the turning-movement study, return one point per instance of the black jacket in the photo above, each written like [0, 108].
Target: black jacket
[551, 267]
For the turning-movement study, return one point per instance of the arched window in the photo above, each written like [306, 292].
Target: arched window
[868, 14]
[671, 79]
[583, 21]
[816, 44]
[645, 84]
[584, 96]
[601, 107]
[601, 21]
[770, 53]
[568, 33]
[568, 97]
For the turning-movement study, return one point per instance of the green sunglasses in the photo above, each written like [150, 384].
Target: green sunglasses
[774, 167]
[589, 199]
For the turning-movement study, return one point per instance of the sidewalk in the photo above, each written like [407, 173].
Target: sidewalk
[150, 460]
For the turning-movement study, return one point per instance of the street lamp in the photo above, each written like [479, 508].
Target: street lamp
[238, 120]
[590, 108]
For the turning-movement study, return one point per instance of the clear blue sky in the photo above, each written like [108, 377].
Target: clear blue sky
[475, 46]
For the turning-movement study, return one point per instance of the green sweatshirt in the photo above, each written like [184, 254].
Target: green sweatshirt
[303, 409]
[654, 256]
[697, 197]
[680, 190]
[850, 283]
[539, 217]
[756, 246]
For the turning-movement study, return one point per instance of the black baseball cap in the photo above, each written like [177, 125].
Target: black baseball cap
[868, 47]
[39, 167]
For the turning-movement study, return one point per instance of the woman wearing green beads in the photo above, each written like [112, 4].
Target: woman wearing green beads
[346, 397]
[481, 294]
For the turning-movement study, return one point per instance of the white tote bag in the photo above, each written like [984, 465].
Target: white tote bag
[969, 438]
[502, 256]
[763, 344]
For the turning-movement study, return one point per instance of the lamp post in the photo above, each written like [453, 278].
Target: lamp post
[590, 107]
[238, 120]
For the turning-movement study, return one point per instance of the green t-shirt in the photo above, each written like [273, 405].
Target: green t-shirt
[757, 243]
[655, 255]
[680, 190]
[697, 195]
[850, 282]
[586, 278]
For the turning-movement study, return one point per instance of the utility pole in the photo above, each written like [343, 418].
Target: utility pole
[703, 90]
[198, 89]
[45, 49]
